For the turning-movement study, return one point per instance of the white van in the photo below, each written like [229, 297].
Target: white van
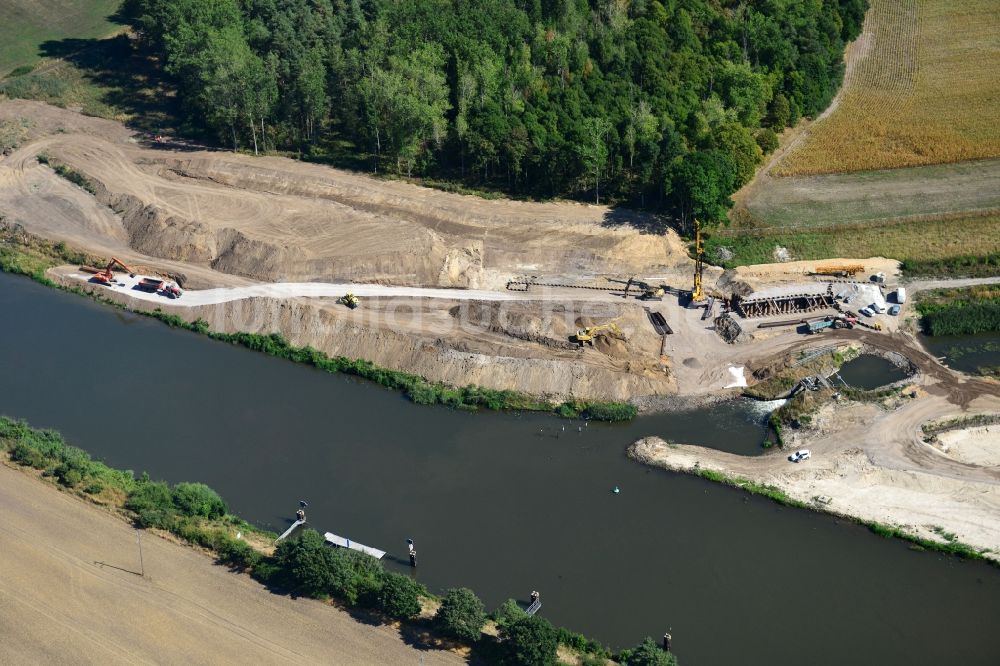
[901, 295]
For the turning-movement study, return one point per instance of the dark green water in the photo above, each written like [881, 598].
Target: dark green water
[870, 372]
[966, 353]
[502, 503]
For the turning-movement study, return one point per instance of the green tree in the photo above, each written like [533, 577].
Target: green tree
[461, 614]
[736, 142]
[701, 184]
[400, 596]
[593, 149]
[781, 112]
[507, 613]
[308, 562]
[648, 653]
[530, 641]
[197, 499]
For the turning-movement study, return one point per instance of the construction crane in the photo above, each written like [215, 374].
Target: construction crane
[587, 335]
[697, 294]
[107, 275]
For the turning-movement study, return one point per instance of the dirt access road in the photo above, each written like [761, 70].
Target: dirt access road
[871, 461]
[226, 220]
[58, 604]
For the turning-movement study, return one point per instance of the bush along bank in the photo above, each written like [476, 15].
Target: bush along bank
[34, 261]
[304, 564]
[960, 311]
[950, 545]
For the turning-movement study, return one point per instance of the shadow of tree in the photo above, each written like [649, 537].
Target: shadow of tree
[127, 80]
[643, 221]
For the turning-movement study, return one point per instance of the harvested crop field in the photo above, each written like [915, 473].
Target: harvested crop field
[915, 241]
[71, 594]
[923, 90]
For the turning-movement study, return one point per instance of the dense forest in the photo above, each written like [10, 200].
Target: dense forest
[667, 104]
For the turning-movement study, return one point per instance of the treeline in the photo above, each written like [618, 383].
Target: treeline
[662, 103]
[305, 564]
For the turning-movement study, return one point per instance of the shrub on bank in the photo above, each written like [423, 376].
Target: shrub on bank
[529, 641]
[461, 615]
[647, 653]
[400, 596]
[197, 499]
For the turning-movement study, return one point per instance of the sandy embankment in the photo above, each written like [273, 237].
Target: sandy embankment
[889, 480]
[976, 446]
[69, 594]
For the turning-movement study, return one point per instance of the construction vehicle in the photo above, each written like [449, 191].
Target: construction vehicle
[650, 293]
[107, 275]
[697, 294]
[154, 285]
[587, 335]
[842, 271]
[817, 326]
[350, 300]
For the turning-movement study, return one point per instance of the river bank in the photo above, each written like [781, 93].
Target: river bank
[73, 584]
[504, 503]
[870, 463]
[35, 259]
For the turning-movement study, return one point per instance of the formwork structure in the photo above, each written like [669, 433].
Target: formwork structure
[773, 304]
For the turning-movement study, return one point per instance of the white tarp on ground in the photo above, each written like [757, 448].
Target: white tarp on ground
[739, 379]
[353, 545]
[862, 295]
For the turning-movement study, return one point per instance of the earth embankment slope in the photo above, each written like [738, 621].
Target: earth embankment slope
[69, 596]
[226, 220]
[277, 219]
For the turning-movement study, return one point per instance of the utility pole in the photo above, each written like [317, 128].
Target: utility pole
[142, 568]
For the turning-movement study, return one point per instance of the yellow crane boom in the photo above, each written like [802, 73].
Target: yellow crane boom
[697, 294]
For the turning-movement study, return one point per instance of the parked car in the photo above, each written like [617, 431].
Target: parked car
[894, 310]
[800, 455]
[876, 308]
[878, 277]
[866, 312]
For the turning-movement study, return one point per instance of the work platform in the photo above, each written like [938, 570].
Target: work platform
[342, 542]
[784, 301]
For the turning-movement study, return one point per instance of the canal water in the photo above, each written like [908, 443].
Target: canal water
[966, 353]
[501, 503]
[869, 371]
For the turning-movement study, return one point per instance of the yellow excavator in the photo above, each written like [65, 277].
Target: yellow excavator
[350, 300]
[587, 335]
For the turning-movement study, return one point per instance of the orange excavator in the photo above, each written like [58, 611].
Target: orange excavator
[106, 276]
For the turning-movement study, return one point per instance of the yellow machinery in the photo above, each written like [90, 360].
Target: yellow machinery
[587, 335]
[697, 294]
[350, 300]
[650, 293]
[847, 270]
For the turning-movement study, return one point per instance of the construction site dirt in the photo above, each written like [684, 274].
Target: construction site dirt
[270, 244]
[452, 288]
